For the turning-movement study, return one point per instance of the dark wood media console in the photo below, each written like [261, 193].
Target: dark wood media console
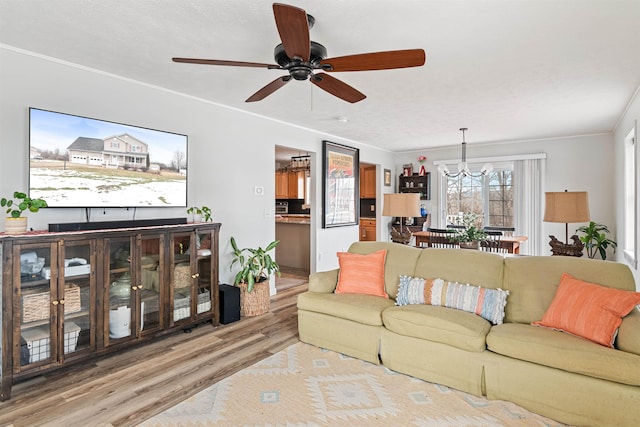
[71, 296]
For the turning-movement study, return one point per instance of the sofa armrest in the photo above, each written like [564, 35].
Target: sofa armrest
[629, 333]
[324, 282]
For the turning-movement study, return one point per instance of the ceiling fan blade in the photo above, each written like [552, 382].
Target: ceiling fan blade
[337, 88]
[229, 63]
[376, 61]
[269, 89]
[293, 28]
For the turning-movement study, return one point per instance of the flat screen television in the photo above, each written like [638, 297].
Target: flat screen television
[80, 162]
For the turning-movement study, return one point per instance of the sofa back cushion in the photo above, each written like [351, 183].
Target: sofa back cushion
[532, 281]
[465, 266]
[401, 259]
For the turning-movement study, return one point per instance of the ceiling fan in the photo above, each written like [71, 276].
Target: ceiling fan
[302, 57]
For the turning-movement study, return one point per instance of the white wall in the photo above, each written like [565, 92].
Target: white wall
[230, 152]
[585, 163]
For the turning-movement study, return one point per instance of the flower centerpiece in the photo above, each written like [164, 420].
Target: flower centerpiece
[471, 235]
[421, 160]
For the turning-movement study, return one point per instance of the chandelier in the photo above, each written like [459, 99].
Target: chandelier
[463, 167]
[299, 163]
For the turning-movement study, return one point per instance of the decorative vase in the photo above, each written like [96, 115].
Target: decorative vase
[470, 245]
[15, 225]
[257, 301]
[422, 172]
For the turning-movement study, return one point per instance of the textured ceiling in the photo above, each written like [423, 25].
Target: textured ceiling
[506, 69]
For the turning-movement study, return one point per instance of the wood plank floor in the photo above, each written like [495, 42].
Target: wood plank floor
[126, 388]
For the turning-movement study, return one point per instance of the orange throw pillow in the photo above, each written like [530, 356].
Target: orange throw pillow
[588, 310]
[362, 274]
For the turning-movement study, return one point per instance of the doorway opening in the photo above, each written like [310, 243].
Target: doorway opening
[293, 215]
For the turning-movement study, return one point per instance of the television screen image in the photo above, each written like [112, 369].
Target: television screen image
[77, 161]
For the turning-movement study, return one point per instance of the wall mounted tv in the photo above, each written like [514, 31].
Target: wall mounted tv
[82, 162]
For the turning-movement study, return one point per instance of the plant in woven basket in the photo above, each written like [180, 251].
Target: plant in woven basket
[256, 265]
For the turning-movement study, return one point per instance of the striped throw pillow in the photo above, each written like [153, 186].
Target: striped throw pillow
[487, 303]
[588, 310]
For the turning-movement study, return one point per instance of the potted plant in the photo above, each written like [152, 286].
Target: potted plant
[595, 239]
[15, 222]
[200, 213]
[256, 266]
[470, 236]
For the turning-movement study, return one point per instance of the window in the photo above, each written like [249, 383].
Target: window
[630, 197]
[490, 197]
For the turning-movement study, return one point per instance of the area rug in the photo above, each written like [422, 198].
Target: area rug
[304, 385]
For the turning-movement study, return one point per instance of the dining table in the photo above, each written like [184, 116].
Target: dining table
[510, 243]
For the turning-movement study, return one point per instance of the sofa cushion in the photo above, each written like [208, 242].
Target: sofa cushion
[462, 266]
[365, 309]
[629, 333]
[456, 328]
[486, 303]
[532, 281]
[362, 274]
[588, 310]
[401, 259]
[563, 351]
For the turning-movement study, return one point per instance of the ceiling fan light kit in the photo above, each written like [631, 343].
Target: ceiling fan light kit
[303, 58]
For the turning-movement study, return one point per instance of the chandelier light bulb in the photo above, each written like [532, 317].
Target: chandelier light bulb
[443, 169]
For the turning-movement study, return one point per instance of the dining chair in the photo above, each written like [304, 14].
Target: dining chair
[506, 231]
[492, 242]
[441, 238]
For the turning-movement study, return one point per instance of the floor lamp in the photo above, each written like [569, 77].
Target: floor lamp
[402, 205]
[565, 206]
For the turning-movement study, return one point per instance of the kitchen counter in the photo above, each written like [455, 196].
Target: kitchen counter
[293, 232]
[304, 219]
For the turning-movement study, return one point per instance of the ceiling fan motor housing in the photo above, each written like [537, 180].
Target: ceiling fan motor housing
[299, 69]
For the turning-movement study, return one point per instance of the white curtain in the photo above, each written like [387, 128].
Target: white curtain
[527, 175]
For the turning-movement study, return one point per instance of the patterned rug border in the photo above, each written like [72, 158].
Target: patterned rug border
[305, 386]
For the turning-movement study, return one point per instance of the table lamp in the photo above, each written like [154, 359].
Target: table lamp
[402, 205]
[566, 206]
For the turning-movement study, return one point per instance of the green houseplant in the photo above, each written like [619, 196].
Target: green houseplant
[20, 203]
[256, 266]
[15, 222]
[595, 239]
[203, 212]
[470, 236]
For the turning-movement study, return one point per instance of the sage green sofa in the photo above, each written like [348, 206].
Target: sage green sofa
[555, 374]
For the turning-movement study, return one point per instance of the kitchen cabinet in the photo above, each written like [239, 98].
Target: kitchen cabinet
[282, 185]
[68, 297]
[367, 182]
[367, 230]
[290, 185]
[296, 185]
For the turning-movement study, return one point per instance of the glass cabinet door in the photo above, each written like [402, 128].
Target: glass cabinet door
[149, 281]
[205, 272]
[36, 307]
[182, 276]
[76, 286]
[119, 276]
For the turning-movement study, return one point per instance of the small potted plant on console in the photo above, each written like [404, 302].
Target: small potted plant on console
[16, 223]
[256, 266]
[200, 213]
